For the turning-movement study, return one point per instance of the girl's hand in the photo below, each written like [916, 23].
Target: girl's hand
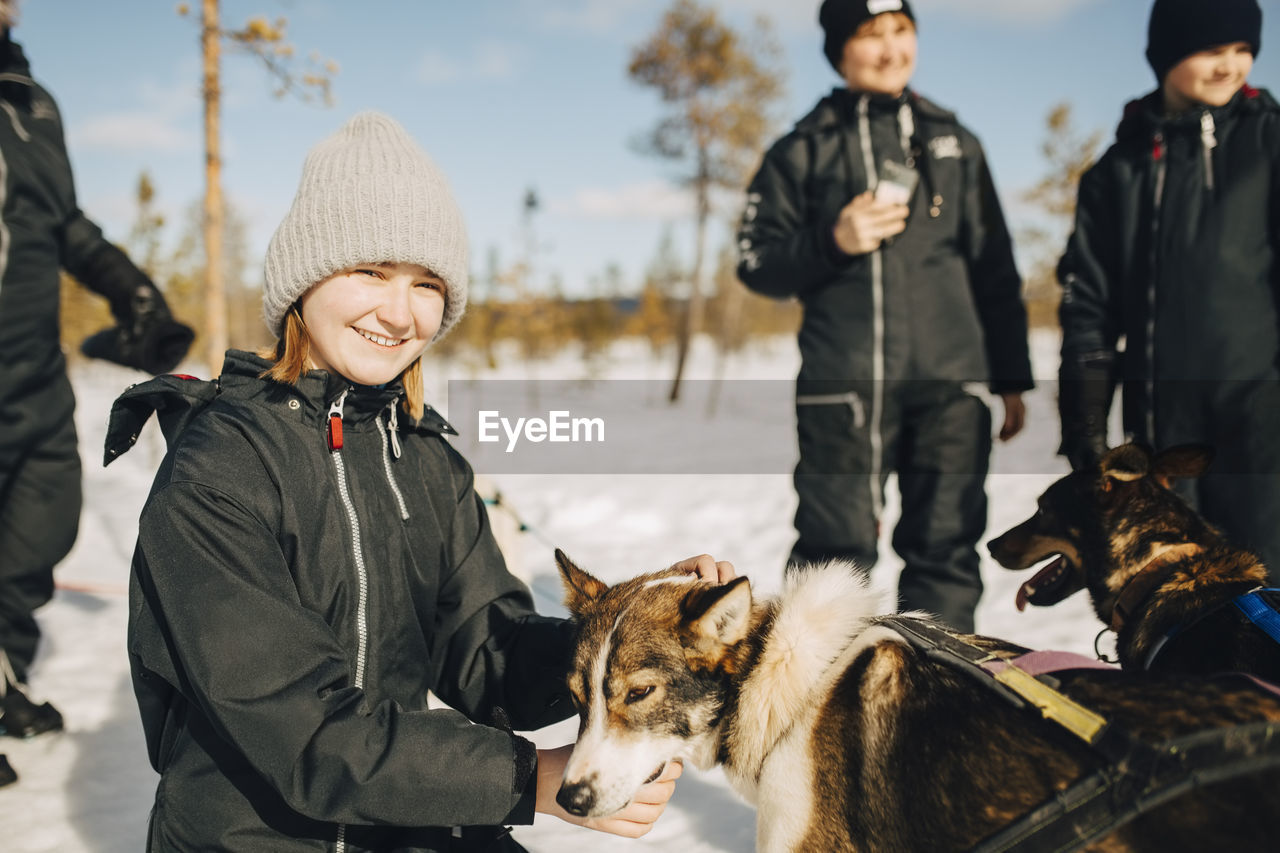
[864, 223]
[648, 804]
[708, 568]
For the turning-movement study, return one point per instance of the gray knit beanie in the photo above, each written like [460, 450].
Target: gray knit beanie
[368, 195]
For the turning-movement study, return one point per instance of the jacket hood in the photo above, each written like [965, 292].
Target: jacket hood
[12, 58]
[841, 106]
[177, 398]
[1145, 116]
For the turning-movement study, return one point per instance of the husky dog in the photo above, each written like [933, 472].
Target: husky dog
[844, 736]
[1158, 574]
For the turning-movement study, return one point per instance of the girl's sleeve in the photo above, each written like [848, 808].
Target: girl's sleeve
[492, 648]
[782, 253]
[1090, 316]
[1087, 271]
[274, 682]
[993, 275]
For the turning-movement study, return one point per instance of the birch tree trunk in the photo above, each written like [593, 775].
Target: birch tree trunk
[215, 320]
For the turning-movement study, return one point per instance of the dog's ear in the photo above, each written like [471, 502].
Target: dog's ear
[718, 615]
[1124, 464]
[580, 588]
[1186, 461]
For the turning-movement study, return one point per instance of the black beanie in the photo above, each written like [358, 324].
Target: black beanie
[840, 19]
[1180, 28]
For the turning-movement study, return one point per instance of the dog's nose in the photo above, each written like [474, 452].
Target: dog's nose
[576, 799]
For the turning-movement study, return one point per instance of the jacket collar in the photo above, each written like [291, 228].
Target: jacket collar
[12, 59]
[1145, 116]
[317, 390]
[840, 106]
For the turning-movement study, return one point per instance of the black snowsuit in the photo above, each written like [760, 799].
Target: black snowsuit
[890, 339]
[41, 231]
[291, 606]
[1175, 252]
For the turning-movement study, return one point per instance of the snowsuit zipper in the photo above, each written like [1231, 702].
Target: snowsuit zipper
[877, 318]
[362, 575]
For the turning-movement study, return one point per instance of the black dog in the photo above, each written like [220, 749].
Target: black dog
[1171, 587]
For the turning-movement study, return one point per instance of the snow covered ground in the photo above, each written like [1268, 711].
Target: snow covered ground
[89, 789]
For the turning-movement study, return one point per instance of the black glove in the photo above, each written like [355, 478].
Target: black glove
[1085, 389]
[151, 340]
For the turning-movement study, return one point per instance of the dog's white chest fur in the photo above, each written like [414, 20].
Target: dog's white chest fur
[820, 627]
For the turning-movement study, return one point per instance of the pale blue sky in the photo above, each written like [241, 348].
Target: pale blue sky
[512, 94]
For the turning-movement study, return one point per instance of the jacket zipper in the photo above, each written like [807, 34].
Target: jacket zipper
[362, 575]
[877, 318]
[390, 445]
[1157, 203]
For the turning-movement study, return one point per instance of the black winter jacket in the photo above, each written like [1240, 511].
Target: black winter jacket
[1176, 234]
[291, 606]
[41, 230]
[941, 301]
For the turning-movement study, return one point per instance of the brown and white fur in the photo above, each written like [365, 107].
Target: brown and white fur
[842, 735]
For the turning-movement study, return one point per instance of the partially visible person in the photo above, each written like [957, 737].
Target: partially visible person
[42, 231]
[879, 214]
[1175, 250]
[313, 558]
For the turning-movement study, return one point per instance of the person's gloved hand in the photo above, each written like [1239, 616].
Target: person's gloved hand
[1084, 399]
[151, 340]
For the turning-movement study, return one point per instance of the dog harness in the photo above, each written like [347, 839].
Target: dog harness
[1261, 606]
[1137, 775]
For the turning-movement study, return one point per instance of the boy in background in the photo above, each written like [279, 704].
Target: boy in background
[1174, 249]
[877, 211]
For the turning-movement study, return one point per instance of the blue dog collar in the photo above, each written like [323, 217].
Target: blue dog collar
[1260, 611]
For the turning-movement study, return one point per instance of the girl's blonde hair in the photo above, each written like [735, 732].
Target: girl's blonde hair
[292, 353]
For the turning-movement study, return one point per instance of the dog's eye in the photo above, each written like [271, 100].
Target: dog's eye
[635, 694]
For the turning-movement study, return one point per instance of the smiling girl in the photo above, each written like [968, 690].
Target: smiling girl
[313, 558]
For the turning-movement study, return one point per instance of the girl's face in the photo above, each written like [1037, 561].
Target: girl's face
[881, 56]
[1210, 77]
[371, 322]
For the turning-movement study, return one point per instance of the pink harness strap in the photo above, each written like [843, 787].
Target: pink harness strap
[1040, 663]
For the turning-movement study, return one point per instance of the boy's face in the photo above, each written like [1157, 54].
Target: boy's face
[1210, 77]
[881, 55]
[371, 322]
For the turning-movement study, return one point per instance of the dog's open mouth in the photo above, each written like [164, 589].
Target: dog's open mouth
[1049, 585]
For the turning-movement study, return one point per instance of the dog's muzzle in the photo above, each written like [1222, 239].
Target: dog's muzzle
[577, 799]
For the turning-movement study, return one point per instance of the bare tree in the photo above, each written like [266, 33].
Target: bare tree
[1069, 156]
[265, 40]
[718, 88]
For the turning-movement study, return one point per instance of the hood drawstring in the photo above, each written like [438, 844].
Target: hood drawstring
[917, 157]
[1208, 142]
[390, 447]
[393, 430]
[906, 130]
